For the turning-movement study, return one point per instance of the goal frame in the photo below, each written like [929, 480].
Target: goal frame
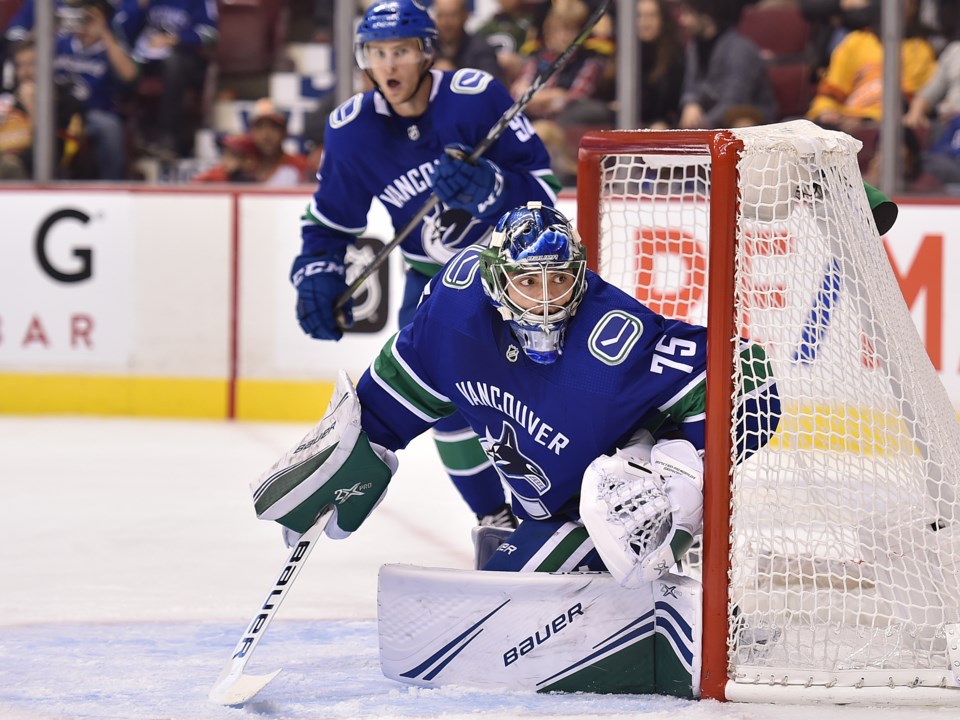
[725, 150]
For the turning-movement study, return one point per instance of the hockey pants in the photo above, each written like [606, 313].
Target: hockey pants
[552, 545]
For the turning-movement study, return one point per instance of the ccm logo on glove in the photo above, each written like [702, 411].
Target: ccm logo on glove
[318, 266]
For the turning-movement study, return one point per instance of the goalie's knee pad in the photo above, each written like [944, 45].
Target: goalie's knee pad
[486, 540]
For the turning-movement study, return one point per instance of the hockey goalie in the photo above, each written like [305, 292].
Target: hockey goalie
[591, 407]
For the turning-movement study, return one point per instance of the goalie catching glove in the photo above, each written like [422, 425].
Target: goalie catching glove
[643, 506]
[335, 464]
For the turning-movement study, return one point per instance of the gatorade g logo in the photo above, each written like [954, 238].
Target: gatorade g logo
[83, 254]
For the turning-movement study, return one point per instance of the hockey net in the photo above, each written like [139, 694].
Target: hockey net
[830, 564]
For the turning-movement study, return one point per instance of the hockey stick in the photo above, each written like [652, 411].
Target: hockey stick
[495, 132]
[233, 687]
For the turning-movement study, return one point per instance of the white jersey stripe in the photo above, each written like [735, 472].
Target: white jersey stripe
[315, 211]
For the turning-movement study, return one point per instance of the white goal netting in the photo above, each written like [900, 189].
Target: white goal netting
[844, 568]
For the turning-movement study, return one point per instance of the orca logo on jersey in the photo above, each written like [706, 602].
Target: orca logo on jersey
[512, 464]
[444, 232]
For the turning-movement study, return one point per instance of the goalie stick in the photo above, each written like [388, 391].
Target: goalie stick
[233, 687]
[495, 132]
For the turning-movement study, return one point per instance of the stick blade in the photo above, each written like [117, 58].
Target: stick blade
[236, 690]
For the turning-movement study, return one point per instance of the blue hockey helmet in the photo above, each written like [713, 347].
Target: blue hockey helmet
[393, 20]
[535, 273]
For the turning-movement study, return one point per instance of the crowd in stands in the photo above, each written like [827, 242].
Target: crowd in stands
[130, 75]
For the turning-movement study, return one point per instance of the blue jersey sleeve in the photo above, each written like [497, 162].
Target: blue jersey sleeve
[397, 393]
[337, 214]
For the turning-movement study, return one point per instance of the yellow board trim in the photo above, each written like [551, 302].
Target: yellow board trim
[188, 398]
[276, 400]
[106, 395]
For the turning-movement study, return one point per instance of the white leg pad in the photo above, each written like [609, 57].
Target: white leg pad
[579, 632]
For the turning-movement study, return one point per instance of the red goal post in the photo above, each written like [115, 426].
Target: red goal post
[830, 558]
[724, 150]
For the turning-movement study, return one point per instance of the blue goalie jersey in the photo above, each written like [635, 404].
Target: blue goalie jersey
[371, 152]
[623, 368]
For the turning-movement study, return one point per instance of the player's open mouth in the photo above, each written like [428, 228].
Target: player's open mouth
[393, 84]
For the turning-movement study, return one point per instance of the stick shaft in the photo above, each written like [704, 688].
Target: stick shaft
[243, 651]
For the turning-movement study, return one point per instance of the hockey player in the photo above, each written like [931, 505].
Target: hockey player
[579, 392]
[389, 143]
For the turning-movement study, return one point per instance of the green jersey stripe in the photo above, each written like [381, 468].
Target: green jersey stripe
[564, 549]
[461, 455]
[405, 387]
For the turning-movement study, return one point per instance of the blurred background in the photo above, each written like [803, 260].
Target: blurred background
[239, 90]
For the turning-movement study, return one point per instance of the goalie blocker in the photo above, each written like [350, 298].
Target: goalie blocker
[335, 464]
[543, 632]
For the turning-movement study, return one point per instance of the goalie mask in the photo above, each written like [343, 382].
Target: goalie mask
[534, 272]
[395, 20]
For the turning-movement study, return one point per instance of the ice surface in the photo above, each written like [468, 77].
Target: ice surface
[131, 562]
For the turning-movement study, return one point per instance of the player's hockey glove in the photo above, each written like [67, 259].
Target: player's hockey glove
[478, 188]
[643, 507]
[319, 280]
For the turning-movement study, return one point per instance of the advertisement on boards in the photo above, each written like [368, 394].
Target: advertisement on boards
[66, 277]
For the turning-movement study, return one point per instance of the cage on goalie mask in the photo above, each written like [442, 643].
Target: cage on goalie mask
[534, 272]
[395, 20]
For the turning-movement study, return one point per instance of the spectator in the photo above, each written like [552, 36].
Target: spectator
[723, 68]
[16, 116]
[940, 97]
[850, 95]
[507, 32]
[20, 27]
[16, 128]
[268, 130]
[456, 47]
[578, 80]
[96, 67]
[239, 162]
[942, 160]
[662, 65]
[172, 40]
[571, 96]
[830, 22]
